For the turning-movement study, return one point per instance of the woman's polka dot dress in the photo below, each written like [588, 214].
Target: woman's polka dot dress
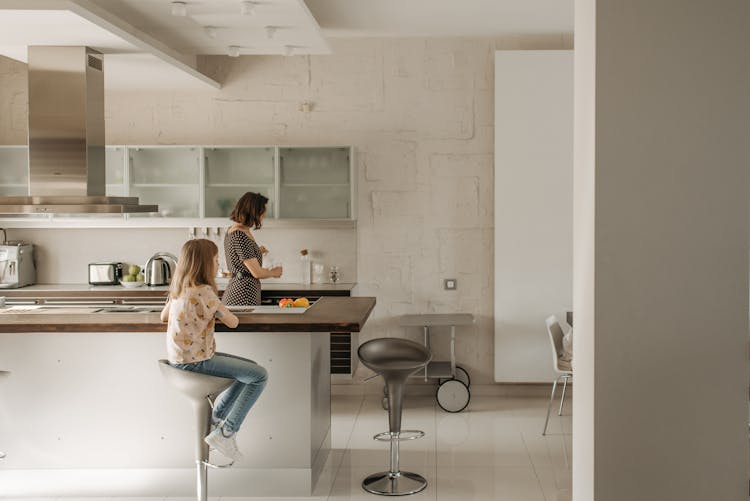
[243, 288]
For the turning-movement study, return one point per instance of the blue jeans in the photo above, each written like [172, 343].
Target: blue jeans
[234, 404]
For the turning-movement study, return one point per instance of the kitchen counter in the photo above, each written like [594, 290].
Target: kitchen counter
[328, 314]
[84, 396]
[86, 290]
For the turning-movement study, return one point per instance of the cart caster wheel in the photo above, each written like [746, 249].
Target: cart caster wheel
[453, 396]
[384, 403]
[461, 375]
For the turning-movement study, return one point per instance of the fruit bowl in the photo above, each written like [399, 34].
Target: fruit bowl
[132, 285]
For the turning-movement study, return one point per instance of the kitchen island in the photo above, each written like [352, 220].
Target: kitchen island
[85, 411]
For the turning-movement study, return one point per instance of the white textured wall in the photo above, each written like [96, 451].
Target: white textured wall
[63, 254]
[419, 113]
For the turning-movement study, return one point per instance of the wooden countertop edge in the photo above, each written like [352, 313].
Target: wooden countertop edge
[259, 323]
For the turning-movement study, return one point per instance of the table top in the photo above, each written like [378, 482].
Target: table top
[437, 319]
[328, 314]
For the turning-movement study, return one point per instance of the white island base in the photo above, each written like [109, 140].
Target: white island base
[88, 414]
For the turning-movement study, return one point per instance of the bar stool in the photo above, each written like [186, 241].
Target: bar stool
[201, 390]
[395, 359]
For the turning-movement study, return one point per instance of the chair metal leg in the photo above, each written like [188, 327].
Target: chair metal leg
[202, 481]
[549, 405]
[562, 399]
[394, 482]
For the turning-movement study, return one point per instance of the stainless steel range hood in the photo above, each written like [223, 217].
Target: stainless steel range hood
[66, 137]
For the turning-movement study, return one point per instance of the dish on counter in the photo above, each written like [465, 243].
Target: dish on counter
[132, 285]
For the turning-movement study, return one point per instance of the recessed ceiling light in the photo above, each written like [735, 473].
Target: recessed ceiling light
[233, 51]
[270, 31]
[247, 8]
[179, 9]
[210, 31]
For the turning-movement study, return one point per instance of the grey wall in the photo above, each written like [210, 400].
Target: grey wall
[661, 271]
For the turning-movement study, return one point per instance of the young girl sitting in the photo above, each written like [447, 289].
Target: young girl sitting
[192, 306]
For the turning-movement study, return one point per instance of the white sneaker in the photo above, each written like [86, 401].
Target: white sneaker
[227, 446]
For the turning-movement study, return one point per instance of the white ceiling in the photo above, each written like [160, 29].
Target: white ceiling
[296, 25]
[21, 28]
[442, 18]
[142, 37]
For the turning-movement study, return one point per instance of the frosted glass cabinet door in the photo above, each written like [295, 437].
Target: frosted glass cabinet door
[232, 172]
[14, 171]
[168, 177]
[315, 183]
[114, 160]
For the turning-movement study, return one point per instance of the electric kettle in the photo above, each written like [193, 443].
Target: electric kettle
[160, 268]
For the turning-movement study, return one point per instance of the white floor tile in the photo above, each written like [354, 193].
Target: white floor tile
[493, 450]
[484, 483]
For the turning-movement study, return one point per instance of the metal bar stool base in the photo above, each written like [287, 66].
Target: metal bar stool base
[402, 483]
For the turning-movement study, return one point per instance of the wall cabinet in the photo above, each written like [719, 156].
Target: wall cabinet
[315, 183]
[205, 182]
[231, 172]
[168, 177]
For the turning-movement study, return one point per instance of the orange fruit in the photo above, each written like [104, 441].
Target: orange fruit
[301, 302]
[286, 303]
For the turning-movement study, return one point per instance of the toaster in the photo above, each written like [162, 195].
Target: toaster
[105, 273]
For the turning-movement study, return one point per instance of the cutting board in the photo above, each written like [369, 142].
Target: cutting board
[268, 309]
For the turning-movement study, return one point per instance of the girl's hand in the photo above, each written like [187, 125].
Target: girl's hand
[164, 316]
[277, 271]
[263, 250]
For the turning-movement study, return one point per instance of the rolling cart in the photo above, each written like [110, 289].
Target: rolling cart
[453, 391]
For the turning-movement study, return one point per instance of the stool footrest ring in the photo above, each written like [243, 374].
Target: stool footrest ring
[216, 466]
[387, 436]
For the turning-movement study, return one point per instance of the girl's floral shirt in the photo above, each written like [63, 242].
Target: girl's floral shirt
[190, 331]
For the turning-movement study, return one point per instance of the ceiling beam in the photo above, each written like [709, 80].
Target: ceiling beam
[139, 38]
[121, 28]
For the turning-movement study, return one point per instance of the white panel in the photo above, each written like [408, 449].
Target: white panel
[533, 207]
[96, 401]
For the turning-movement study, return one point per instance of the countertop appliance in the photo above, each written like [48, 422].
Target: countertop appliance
[17, 266]
[160, 268]
[105, 273]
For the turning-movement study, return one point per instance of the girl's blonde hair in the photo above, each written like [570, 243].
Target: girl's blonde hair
[195, 267]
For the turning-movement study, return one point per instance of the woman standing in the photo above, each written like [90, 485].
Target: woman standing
[244, 255]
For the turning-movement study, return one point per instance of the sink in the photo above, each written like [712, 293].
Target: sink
[129, 309]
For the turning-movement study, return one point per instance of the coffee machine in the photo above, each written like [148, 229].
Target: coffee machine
[17, 266]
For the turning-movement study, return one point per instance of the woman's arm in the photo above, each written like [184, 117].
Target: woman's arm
[256, 270]
[165, 312]
[227, 317]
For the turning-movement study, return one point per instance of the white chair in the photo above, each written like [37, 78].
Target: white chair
[562, 368]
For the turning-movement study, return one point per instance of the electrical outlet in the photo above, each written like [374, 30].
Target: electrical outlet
[450, 284]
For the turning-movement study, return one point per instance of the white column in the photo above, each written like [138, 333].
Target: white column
[661, 248]
[533, 207]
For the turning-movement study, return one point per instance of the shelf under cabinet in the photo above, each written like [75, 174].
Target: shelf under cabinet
[314, 185]
[162, 185]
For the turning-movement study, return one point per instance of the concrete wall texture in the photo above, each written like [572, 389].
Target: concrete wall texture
[420, 115]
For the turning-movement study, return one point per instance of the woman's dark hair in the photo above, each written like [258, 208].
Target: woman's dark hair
[248, 209]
